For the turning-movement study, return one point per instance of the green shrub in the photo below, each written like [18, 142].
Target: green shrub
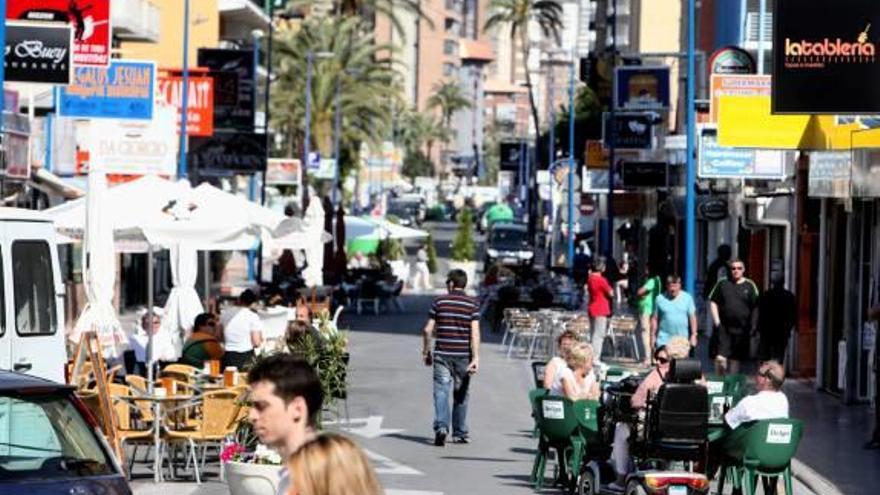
[432, 254]
[463, 246]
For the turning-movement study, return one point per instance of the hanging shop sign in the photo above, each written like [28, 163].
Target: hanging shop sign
[90, 20]
[713, 209]
[829, 175]
[38, 52]
[124, 90]
[644, 174]
[721, 162]
[510, 156]
[633, 131]
[135, 147]
[228, 152]
[825, 59]
[735, 84]
[731, 60]
[16, 144]
[641, 87]
[283, 172]
[234, 86]
[200, 102]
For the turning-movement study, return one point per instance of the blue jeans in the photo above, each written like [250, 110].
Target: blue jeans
[450, 375]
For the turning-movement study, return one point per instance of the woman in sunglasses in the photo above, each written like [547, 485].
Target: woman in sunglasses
[676, 348]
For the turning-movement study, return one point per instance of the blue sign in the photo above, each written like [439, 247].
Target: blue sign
[314, 162]
[641, 88]
[124, 90]
[721, 162]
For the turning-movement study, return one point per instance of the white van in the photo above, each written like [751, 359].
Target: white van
[31, 296]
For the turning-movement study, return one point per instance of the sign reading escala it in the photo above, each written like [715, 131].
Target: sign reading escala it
[200, 102]
[825, 57]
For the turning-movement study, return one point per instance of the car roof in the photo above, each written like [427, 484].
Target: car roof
[10, 380]
[23, 215]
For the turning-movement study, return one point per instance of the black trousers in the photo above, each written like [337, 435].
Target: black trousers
[241, 360]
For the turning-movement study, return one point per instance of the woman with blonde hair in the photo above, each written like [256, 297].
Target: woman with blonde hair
[331, 464]
[576, 381]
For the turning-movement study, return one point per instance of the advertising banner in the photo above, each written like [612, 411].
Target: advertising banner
[38, 52]
[825, 58]
[633, 131]
[731, 60]
[644, 174]
[720, 162]
[90, 20]
[228, 152]
[284, 172]
[735, 84]
[125, 90]
[829, 175]
[234, 88]
[135, 147]
[200, 102]
[641, 87]
[510, 156]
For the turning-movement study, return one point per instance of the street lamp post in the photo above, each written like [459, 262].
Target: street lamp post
[609, 204]
[184, 104]
[310, 57]
[337, 128]
[571, 167]
[690, 199]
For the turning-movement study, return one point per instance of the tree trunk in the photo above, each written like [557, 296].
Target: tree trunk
[532, 104]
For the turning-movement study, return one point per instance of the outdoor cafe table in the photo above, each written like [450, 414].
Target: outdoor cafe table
[159, 403]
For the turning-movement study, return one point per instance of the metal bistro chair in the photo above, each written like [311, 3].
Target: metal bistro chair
[623, 327]
[509, 315]
[526, 327]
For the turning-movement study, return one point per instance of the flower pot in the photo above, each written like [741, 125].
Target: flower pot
[252, 479]
[469, 267]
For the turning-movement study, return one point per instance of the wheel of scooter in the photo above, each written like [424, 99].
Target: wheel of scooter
[634, 487]
[586, 483]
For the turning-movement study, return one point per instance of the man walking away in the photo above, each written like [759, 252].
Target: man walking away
[599, 309]
[732, 303]
[286, 397]
[675, 315]
[647, 293]
[718, 269]
[777, 311]
[454, 323]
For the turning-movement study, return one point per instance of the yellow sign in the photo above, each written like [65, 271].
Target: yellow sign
[746, 122]
[597, 155]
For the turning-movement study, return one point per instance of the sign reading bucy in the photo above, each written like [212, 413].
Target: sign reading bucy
[122, 91]
[90, 20]
[200, 102]
[38, 52]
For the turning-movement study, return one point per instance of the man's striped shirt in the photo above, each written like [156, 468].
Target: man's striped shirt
[452, 315]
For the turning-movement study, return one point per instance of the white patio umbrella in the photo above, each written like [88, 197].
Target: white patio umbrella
[379, 229]
[313, 225]
[183, 304]
[99, 271]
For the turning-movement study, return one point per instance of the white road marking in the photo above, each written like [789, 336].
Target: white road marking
[410, 492]
[385, 465]
[370, 427]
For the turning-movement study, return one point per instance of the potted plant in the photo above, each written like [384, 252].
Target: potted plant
[463, 247]
[250, 473]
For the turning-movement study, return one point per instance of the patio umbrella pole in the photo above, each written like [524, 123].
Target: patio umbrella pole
[150, 315]
[206, 266]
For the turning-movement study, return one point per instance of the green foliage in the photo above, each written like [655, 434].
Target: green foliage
[392, 249]
[432, 254]
[587, 119]
[327, 354]
[463, 246]
[416, 164]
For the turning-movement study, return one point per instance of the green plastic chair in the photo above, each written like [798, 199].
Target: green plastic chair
[760, 450]
[559, 428]
[534, 394]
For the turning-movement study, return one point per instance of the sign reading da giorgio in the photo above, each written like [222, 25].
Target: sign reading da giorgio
[825, 58]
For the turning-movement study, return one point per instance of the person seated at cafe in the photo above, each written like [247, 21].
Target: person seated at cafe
[242, 331]
[564, 343]
[204, 343]
[139, 339]
[576, 380]
[767, 403]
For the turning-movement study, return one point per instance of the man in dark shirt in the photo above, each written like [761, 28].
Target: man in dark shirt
[777, 310]
[732, 303]
[454, 322]
[718, 269]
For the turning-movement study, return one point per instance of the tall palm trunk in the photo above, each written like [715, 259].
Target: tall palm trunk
[525, 54]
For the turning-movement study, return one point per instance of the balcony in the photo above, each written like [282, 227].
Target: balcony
[751, 33]
[238, 18]
[135, 20]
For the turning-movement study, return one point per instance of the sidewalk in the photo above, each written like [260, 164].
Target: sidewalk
[831, 449]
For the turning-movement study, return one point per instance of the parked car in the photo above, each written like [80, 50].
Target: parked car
[31, 296]
[509, 245]
[410, 213]
[50, 443]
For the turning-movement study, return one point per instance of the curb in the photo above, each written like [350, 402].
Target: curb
[814, 481]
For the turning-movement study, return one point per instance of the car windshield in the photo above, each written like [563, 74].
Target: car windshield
[508, 237]
[45, 437]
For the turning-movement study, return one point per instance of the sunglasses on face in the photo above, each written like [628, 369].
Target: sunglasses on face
[662, 360]
[737, 268]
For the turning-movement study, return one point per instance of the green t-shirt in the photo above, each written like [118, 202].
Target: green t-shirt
[646, 302]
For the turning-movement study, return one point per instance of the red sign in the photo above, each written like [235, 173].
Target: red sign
[200, 106]
[90, 20]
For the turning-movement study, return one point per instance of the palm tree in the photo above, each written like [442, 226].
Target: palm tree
[419, 132]
[449, 98]
[366, 84]
[518, 14]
